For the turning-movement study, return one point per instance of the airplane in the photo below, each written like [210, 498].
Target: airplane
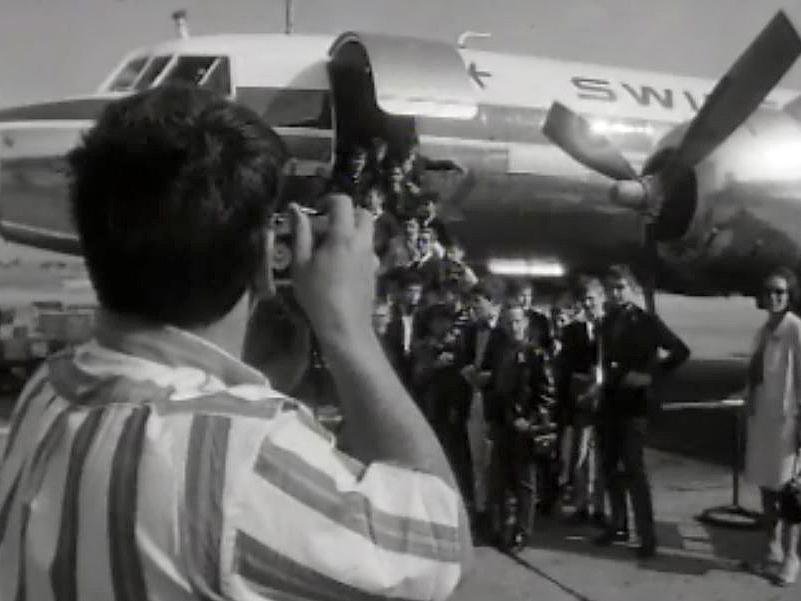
[696, 183]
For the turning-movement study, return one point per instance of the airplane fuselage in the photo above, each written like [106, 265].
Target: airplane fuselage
[525, 200]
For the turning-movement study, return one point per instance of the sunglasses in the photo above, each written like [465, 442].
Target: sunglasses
[776, 291]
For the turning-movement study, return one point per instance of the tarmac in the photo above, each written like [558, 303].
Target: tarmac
[695, 561]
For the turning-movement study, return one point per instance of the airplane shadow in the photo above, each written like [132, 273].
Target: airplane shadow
[722, 549]
[544, 575]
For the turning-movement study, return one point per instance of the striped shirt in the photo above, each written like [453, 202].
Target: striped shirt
[149, 464]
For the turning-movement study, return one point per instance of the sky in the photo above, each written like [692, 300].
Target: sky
[54, 48]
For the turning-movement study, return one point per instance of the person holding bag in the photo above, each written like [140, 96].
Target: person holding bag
[773, 427]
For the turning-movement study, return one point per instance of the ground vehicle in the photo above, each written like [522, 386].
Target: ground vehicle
[31, 332]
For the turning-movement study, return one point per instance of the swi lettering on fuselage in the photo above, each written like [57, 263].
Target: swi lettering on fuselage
[604, 90]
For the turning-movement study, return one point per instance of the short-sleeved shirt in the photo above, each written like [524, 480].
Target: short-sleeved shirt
[150, 464]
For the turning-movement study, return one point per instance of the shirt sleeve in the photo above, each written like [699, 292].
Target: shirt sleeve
[795, 346]
[312, 522]
[677, 350]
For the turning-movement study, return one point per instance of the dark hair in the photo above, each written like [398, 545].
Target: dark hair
[585, 284]
[428, 196]
[516, 287]
[410, 277]
[170, 192]
[377, 187]
[490, 288]
[620, 273]
[438, 311]
[793, 288]
[513, 304]
[426, 229]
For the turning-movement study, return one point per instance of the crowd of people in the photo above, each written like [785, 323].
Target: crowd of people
[388, 181]
[520, 394]
[536, 408]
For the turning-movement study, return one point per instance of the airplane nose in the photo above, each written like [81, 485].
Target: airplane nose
[34, 140]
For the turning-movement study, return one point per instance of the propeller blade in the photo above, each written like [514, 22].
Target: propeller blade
[741, 90]
[573, 134]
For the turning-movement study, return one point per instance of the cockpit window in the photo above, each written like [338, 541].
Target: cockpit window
[152, 71]
[127, 76]
[219, 77]
[210, 72]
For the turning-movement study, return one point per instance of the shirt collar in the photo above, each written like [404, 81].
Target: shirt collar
[489, 323]
[172, 346]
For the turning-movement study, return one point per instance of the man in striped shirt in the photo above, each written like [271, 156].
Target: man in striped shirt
[151, 463]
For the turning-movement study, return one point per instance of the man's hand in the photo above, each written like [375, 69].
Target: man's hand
[588, 398]
[521, 424]
[483, 378]
[798, 434]
[444, 360]
[474, 377]
[470, 374]
[637, 379]
[335, 281]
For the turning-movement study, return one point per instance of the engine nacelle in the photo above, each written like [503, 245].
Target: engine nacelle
[737, 214]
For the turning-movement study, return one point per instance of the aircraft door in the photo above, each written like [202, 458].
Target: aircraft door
[382, 85]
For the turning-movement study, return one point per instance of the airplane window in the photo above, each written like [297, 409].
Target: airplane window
[152, 71]
[127, 76]
[298, 108]
[190, 69]
[218, 77]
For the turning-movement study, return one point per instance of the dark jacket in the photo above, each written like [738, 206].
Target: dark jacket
[494, 344]
[429, 270]
[438, 226]
[496, 338]
[444, 393]
[386, 228]
[540, 327]
[354, 185]
[579, 356]
[521, 383]
[631, 340]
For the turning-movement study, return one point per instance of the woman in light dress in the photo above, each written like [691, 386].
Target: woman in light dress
[774, 411]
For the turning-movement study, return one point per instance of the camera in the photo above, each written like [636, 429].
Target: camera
[284, 243]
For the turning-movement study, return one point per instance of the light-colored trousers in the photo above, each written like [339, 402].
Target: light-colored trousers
[588, 483]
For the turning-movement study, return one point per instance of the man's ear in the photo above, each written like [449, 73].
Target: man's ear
[263, 282]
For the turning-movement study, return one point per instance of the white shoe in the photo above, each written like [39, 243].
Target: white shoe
[775, 553]
[788, 573]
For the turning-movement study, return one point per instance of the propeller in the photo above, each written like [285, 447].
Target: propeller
[733, 99]
[573, 134]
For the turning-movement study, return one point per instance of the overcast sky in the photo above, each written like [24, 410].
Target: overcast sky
[52, 48]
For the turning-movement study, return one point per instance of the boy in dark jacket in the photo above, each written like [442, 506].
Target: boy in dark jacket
[631, 340]
[443, 392]
[521, 395]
